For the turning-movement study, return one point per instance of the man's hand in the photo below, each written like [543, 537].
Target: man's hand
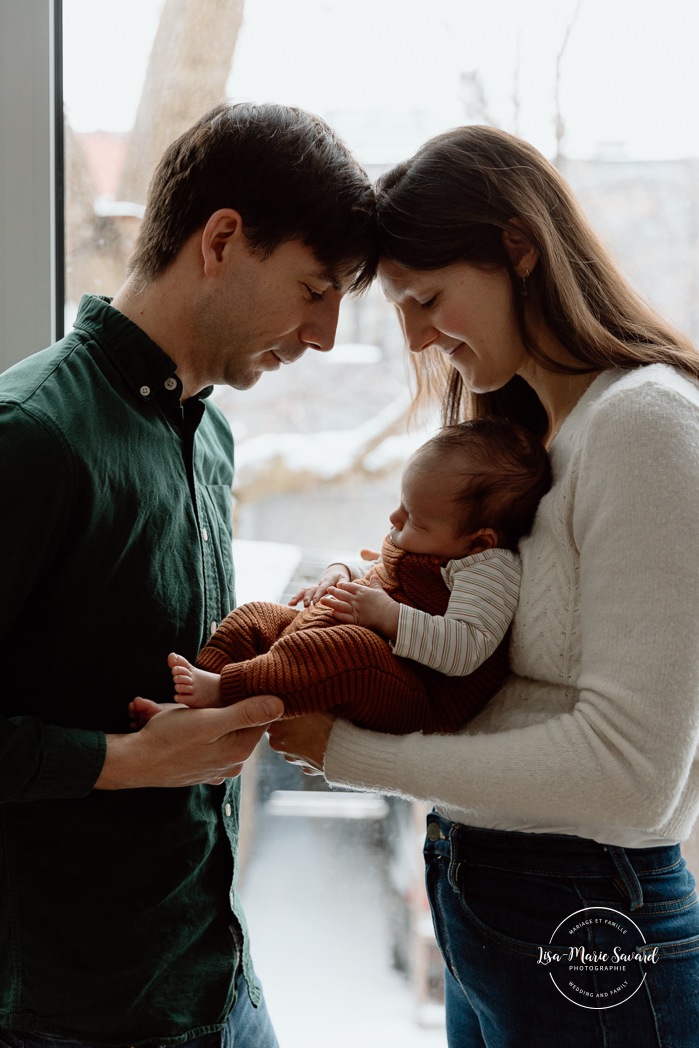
[333, 574]
[182, 746]
[364, 606]
[303, 740]
[142, 710]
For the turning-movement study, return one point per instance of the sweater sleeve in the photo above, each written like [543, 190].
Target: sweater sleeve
[37, 760]
[623, 755]
[483, 600]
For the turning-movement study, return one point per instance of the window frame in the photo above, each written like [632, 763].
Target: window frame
[31, 178]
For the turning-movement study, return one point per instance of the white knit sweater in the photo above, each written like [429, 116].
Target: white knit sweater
[596, 731]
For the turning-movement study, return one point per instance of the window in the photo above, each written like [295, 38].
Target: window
[31, 241]
[387, 76]
[319, 446]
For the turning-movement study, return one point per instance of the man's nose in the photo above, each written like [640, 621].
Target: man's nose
[318, 331]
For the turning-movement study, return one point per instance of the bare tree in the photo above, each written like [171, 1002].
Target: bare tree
[187, 73]
[516, 77]
[474, 98]
[558, 119]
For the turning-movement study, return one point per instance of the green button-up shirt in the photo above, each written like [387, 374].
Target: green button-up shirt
[118, 916]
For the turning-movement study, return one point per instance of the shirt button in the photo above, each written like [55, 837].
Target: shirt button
[205, 534]
[145, 391]
[228, 810]
[170, 383]
[213, 627]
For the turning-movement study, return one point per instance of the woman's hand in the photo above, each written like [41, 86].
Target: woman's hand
[303, 740]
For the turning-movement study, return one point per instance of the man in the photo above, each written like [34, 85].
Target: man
[119, 922]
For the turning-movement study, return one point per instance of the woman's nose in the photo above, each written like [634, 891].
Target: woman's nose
[418, 335]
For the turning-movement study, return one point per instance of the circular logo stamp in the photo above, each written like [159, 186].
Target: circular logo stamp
[597, 957]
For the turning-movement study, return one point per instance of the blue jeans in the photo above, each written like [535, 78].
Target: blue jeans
[246, 1027]
[523, 920]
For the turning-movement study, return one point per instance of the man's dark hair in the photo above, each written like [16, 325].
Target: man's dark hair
[287, 174]
[505, 469]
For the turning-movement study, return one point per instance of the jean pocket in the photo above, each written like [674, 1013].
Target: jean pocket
[484, 909]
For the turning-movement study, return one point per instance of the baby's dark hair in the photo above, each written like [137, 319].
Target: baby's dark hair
[506, 471]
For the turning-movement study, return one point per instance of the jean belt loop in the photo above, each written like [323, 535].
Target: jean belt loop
[628, 875]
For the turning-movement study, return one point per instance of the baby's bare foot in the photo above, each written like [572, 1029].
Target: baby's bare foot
[193, 686]
[182, 673]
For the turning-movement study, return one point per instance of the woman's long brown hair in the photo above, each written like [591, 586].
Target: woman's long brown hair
[453, 200]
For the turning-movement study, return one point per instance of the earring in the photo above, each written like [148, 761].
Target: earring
[525, 276]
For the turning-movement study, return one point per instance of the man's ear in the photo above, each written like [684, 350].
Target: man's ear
[484, 538]
[519, 246]
[224, 228]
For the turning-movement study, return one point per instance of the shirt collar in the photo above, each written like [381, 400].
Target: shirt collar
[144, 366]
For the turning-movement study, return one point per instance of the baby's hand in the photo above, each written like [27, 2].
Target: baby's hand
[142, 710]
[369, 606]
[333, 574]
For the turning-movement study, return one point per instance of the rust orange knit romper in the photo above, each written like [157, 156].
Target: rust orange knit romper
[314, 663]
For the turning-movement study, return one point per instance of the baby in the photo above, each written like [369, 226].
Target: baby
[414, 643]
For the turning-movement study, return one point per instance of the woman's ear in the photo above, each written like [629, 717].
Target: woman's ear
[518, 244]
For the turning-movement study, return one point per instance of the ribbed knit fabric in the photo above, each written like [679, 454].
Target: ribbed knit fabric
[314, 663]
[596, 731]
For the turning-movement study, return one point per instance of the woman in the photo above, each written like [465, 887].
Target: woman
[568, 794]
